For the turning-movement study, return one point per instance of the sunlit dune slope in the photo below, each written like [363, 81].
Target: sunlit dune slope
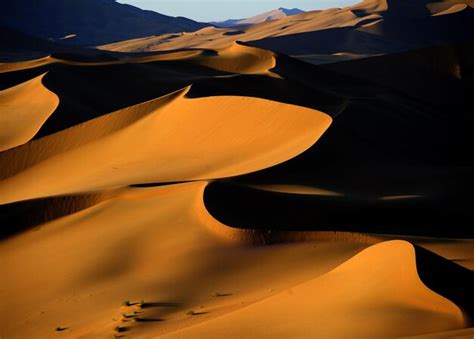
[23, 110]
[377, 293]
[371, 27]
[154, 244]
[185, 139]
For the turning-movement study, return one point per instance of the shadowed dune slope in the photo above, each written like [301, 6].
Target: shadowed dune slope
[174, 142]
[144, 244]
[91, 89]
[385, 141]
[251, 208]
[390, 139]
[20, 216]
[377, 293]
[449, 68]
[23, 110]
[378, 286]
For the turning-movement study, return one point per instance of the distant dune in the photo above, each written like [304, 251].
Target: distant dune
[372, 27]
[205, 187]
[267, 16]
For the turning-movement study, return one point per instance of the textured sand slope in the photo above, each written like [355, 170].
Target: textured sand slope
[23, 110]
[377, 293]
[187, 139]
[156, 244]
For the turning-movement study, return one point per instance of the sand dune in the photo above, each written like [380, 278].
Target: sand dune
[378, 286]
[23, 110]
[88, 271]
[372, 27]
[230, 187]
[241, 59]
[168, 145]
[100, 267]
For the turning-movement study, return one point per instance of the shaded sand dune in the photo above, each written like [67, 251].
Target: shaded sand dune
[391, 140]
[371, 27]
[251, 208]
[171, 142]
[23, 110]
[89, 92]
[89, 271]
[21, 216]
[156, 244]
[377, 293]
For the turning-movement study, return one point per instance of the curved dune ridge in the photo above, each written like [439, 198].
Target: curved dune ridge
[38, 150]
[377, 293]
[233, 57]
[446, 8]
[23, 110]
[238, 58]
[133, 256]
[186, 139]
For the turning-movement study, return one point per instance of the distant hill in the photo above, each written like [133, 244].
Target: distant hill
[372, 27]
[272, 15]
[89, 22]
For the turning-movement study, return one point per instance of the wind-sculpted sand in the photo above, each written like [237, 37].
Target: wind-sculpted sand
[174, 142]
[23, 110]
[233, 191]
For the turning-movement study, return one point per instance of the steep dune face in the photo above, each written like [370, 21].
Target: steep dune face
[176, 143]
[23, 110]
[378, 286]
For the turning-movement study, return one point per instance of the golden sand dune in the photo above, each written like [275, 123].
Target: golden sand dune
[23, 110]
[156, 244]
[211, 37]
[378, 293]
[95, 211]
[171, 142]
[372, 27]
[162, 246]
[453, 9]
[50, 60]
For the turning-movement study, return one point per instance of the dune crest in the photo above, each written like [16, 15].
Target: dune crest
[143, 233]
[176, 142]
[238, 58]
[23, 110]
[377, 293]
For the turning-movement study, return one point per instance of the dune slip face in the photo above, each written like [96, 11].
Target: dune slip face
[367, 296]
[23, 110]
